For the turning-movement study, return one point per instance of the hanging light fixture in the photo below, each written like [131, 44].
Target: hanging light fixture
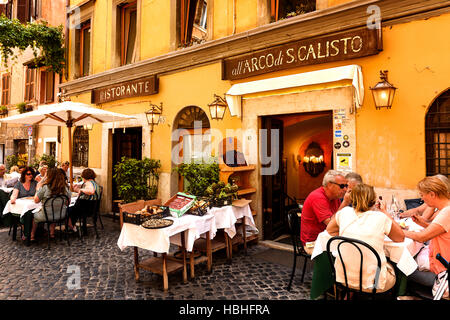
[153, 115]
[88, 127]
[217, 107]
[383, 92]
[313, 159]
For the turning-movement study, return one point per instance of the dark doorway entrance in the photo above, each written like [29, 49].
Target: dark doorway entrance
[125, 144]
[274, 182]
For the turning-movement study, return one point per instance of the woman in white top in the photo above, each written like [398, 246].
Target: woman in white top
[364, 222]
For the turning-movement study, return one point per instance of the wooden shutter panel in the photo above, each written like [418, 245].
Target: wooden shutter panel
[2, 9]
[188, 9]
[23, 10]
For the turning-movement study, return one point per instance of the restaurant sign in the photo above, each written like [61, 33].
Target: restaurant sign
[341, 46]
[129, 89]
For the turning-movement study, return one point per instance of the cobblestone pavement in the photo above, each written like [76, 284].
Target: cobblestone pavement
[107, 273]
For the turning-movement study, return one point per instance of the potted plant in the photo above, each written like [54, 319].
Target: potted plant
[22, 107]
[3, 110]
[199, 176]
[137, 179]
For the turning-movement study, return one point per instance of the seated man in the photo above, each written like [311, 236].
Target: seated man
[321, 205]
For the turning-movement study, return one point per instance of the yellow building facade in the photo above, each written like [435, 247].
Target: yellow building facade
[314, 99]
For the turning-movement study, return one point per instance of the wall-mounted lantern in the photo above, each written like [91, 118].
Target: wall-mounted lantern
[217, 107]
[383, 92]
[153, 115]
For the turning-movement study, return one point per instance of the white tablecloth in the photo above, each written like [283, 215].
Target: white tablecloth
[158, 240]
[227, 216]
[23, 205]
[397, 252]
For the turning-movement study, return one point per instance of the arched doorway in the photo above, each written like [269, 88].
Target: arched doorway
[194, 139]
[437, 136]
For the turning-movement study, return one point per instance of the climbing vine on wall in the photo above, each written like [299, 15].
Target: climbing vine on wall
[46, 41]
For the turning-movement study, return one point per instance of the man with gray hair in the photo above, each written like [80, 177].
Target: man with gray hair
[353, 179]
[320, 205]
[4, 182]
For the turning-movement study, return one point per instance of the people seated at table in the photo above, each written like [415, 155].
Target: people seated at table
[26, 186]
[55, 184]
[320, 205]
[42, 170]
[434, 193]
[88, 191]
[363, 222]
[426, 212]
[5, 180]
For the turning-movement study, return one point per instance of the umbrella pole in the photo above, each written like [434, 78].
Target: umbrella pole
[69, 131]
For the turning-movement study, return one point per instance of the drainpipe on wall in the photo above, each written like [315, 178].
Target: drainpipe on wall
[234, 16]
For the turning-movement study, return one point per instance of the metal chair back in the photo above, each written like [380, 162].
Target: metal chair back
[55, 208]
[357, 244]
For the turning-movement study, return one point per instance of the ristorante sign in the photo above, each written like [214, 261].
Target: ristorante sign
[342, 46]
[129, 89]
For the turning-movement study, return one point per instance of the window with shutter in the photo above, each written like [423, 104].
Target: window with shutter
[193, 21]
[128, 31]
[30, 79]
[6, 89]
[47, 87]
[24, 10]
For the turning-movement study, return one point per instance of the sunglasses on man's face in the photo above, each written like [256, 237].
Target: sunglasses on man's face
[341, 185]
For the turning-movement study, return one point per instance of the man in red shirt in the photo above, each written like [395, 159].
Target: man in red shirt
[320, 205]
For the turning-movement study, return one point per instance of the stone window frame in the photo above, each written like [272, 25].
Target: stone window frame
[116, 32]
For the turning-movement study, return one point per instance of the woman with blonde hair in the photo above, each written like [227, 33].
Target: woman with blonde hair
[434, 192]
[363, 222]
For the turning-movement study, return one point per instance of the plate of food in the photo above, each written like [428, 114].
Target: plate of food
[157, 223]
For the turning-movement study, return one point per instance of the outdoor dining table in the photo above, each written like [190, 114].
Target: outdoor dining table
[400, 253]
[226, 218]
[183, 233]
[22, 212]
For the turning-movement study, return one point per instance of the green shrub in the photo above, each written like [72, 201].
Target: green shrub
[137, 179]
[49, 159]
[199, 176]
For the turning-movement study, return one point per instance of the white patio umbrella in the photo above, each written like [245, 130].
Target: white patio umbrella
[67, 114]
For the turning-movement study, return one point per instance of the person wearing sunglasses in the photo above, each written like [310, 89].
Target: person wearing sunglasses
[320, 205]
[26, 186]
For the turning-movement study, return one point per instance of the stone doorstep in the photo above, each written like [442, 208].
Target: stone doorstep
[277, 245]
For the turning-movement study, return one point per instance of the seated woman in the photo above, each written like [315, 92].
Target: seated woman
[434, 193]
[424, 212]
[363, 222]
[88, 191]
[42, 171]
[55, 184]
[26, 186]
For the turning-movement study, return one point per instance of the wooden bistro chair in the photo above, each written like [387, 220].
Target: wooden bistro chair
[298, 250]
[55, 210]
[358, 245]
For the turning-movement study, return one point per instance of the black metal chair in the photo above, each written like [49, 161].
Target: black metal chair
[99, 200]
[55, 210]
[299, 251]
[88, 208]
[358, 245]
